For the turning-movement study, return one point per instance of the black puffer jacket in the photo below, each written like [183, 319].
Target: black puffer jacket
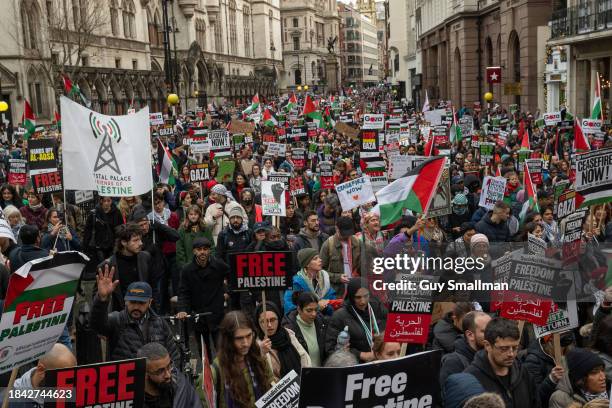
[539, 364]
[124, 335]
[445, 334]
[184, 394]
[290, 322]
[99, 237]
[202, 290]
[522, 392]
[457, 361]
[495, 232]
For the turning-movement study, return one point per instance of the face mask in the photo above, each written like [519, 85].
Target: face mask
[459, 210]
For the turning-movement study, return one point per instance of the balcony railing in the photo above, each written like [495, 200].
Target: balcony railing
[588, 17]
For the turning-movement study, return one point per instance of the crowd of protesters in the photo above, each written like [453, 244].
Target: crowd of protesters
[167, 253]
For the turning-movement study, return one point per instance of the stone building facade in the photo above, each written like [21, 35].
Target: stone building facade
[359, 47]
[459, 39]
[220, 50]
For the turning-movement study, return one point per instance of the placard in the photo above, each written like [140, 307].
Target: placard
[591, 125]
[199, 144]
[156, 118]
[552, 118]
[41, 156]
[594, 177]
[571, 233]
[373, 121]
[199, 172]
[296, 186]
[220, 143]
[47, 182]
[412, 381]
[18, 174]
[82, 196]
[487, 149]
[566, 204]
[276, 149]
[326, 175]
[273, 198]
[225, 174]
[354, 193]
[535, 245]
[298, 155]
[285, 393]
[493, 189]
[112, 384]
[260, 270]
[535, 170]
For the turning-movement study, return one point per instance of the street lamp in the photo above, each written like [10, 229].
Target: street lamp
[299, 88]
[305, 87]
[172, 99]
[3, 106]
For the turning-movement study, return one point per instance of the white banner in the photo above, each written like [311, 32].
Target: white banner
[492, 191]
[591, 125]
[38, 301]
[373, 121]
[434, 117]
[552, 118]
[355, 193]
[110, 154]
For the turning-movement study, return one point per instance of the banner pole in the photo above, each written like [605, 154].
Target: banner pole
[403, 349]
[557, 348]
[153, 210]
[265, 312]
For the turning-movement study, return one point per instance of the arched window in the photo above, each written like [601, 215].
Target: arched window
[270, 23]
[514, 59]
[129, 19]
[232, 27]
[37, 93]
[489, 52]
[30, 24]
[159, 29]
[114, 17]
[246, 22]
[218, 36]
[201, 33]
[151, 29]
[76, 14]
[457, 63]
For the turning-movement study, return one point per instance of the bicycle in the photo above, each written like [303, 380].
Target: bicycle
[181, 337]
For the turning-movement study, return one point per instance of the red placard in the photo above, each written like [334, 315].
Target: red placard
[407, 328]
[526, 306]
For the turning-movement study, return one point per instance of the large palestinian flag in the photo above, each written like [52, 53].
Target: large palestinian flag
[413, 191]
[36, 308]
[253, 106]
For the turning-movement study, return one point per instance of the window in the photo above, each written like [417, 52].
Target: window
[117, 62]
[246, 22]
[232, 27]
[36, 98]
[201, 33]
[84, 61]
[270, 24]
[76, 16]
[159, 28]
[129, 19]
[296, 23]
[296, 43]
[152, 30]
[114, 16]
[30, 25]
[49, 5]
[134, 64]
[218, 36]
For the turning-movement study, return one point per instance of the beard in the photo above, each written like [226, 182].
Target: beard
[163, 387]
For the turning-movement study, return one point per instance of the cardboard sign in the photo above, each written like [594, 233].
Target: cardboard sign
[47, 182]
[41, 156]
[167, 130]
[594, 175]
[198, 172]
[410, 311]
[591, 125]
[260, 270]
[373, 121]
[298, 134]
[566, 204]
[441, 202]
[238, 141]
[285, 393]
[156, 118]
[412, 381]
[273, 198]
[559, 188]
[199, 144]
[239, 126]
[116, 383]
[347, 130]
[492, 191]
[18, 174]
[355, 193]
[38, 301]
[487, 149]
[220, 143]
[552, 118]
[561, 318]
[369, 144]
[276, 149]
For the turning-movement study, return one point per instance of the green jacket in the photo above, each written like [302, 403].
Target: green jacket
[184, 246]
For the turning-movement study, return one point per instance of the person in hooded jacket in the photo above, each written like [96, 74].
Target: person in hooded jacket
[498, 370]
[541, 365]
[584, 381]
[448, 329]
[364, 316]
[459, 216]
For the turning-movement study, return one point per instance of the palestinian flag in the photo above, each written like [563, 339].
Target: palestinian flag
[597, 112]
[29, 120]
[532, 196]
[524, 135]
[254, 105]
[581, 143]
[310, 111]
[269, 119]
[331, 123]
[292, 103]
[429, 149]
[167, 169]
[58, 120]
[39, 284]
[455, 130]
[413, 191]
[73, 89]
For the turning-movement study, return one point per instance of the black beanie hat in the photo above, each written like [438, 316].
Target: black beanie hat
[580, 362]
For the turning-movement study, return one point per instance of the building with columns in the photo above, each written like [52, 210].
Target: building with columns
[114, 51]
[308, 26]
[459, 39]
[403, 60]
[579, 50]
